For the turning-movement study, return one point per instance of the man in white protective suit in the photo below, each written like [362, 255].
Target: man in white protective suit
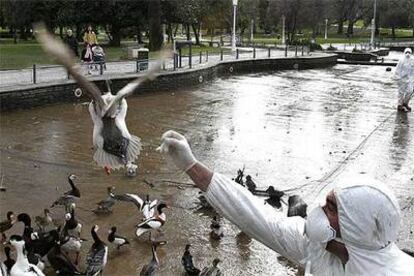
[404, 73]
[353, 233]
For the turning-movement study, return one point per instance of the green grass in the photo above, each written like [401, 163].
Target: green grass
[26, 53]
[15, 56]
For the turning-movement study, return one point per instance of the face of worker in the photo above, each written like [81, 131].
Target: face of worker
[89, 28]
[331, 211]
[69, 32]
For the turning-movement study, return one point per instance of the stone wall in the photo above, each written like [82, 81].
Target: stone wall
[42, 94]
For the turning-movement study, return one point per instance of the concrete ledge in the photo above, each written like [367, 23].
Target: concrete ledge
[48, 93]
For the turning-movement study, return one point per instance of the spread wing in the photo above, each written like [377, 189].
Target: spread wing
[128, 89]
[131, 198]
[61, 52]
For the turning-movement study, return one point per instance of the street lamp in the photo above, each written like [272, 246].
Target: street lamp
[373, 25]
[283, 29]
[326, 28]
[233, 37]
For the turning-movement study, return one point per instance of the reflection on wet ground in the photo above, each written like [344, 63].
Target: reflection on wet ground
[289, 129]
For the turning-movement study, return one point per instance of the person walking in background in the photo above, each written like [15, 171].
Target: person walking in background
[404, 73]
[90, 40]
[72, 42]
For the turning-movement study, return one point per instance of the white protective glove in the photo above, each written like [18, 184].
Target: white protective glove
[176, 148]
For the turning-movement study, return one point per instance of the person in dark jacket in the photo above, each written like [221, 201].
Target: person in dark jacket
[71, 41]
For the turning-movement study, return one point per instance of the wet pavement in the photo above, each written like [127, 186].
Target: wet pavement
[289, 129]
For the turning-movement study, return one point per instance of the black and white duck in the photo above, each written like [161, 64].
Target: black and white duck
[216, 229]
[274, 197]
[296, 206]
[154, 222]
[45, 223]
[116, 239]
[6, 225]
[22, 267]
[203, 203]
[239, 177]
[251, 186]
[150, 268]
[72, 226]
[70, 196]
[70, 244]
[114, 146]
[9, 262]
[60, 262]
[213, 270]
[37, 244]
[146, 207]
[187, 262]
[97, 256]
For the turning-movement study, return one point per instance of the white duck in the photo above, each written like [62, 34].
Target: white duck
[147, 207]
[22, 267]
[114, 146]
[152, 223]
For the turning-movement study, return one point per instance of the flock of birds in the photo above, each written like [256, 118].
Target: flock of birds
[58, 245]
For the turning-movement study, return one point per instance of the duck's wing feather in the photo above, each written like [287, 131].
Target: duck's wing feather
[96, 260]
[151, 223]
[132, 86]
[131, 198]
[62, 53]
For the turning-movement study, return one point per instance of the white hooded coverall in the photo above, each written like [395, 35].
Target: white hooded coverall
[368, 218]
[404, 73]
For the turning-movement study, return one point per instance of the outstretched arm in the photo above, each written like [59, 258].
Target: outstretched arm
[283, 235]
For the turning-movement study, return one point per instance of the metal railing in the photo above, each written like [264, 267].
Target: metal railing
[55, 73]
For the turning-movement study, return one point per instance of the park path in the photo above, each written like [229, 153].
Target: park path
[56, 73]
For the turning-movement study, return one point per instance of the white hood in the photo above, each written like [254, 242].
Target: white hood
[369, 214]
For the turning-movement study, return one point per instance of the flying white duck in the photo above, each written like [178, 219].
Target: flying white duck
[114, 146]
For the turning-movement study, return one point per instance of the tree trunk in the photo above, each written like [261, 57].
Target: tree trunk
[139, 35]
[155, 37]
[393, 32]
[116, 36]
[340, 26]
[169, 33]
[350, 29]
[187, 28]
[23, 34]
[78, 32]
[196, 34]
[61, 32]
[14, 35]
[377, 25]
[176, 30]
